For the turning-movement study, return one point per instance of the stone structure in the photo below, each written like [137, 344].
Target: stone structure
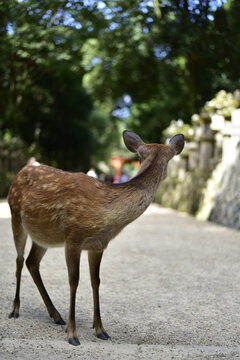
[205, 179]
[221, 202]
[226, 205]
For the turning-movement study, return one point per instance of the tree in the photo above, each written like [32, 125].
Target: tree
[67, 68]
[169, 61]
[43, 100]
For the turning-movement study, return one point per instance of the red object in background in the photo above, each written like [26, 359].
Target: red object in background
[118, 161]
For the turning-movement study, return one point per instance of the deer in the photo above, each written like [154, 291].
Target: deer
[79, 212]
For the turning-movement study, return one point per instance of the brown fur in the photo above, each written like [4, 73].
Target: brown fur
[58, 208]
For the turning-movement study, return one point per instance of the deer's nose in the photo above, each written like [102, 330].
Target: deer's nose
[177, 143]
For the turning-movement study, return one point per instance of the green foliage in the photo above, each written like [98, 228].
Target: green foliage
[177, 127]
[5, 181]
[66, 65]
[223, 103]
[12, 158]
[42, 97]
[169, 61]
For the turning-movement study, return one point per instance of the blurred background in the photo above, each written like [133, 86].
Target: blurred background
[74, 74]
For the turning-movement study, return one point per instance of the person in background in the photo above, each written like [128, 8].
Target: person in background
[92, 173]
[123, 178]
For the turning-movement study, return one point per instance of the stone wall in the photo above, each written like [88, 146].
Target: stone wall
[205, 179]
[221, 197]
[226, 207]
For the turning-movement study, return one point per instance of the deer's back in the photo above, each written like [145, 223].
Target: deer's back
[54, 205]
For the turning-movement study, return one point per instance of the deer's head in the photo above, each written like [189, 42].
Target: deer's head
[147, 151]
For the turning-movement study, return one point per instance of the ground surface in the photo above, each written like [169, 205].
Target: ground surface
[170, 290]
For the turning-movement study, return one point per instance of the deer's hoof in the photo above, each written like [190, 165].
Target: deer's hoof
[57, 318]
[103, 336]
[14, 315]
[74, 341]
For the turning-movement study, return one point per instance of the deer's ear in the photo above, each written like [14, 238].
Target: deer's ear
[132, 141]
[177, 143]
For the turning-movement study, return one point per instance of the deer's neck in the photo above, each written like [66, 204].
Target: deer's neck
[134, 196]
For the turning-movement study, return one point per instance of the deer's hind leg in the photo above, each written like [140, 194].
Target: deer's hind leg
[20, 237]
[94, 259]
[33, 262]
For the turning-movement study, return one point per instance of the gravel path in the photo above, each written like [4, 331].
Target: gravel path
[170, 290]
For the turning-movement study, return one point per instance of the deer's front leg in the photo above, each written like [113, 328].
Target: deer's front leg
[72, 253]
[94, 259]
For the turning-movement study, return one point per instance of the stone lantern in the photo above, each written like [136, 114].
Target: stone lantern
[206, 140]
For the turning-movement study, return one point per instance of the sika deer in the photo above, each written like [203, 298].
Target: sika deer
[58, 208]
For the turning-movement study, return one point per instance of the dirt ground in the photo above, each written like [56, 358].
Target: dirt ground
[170, 289]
